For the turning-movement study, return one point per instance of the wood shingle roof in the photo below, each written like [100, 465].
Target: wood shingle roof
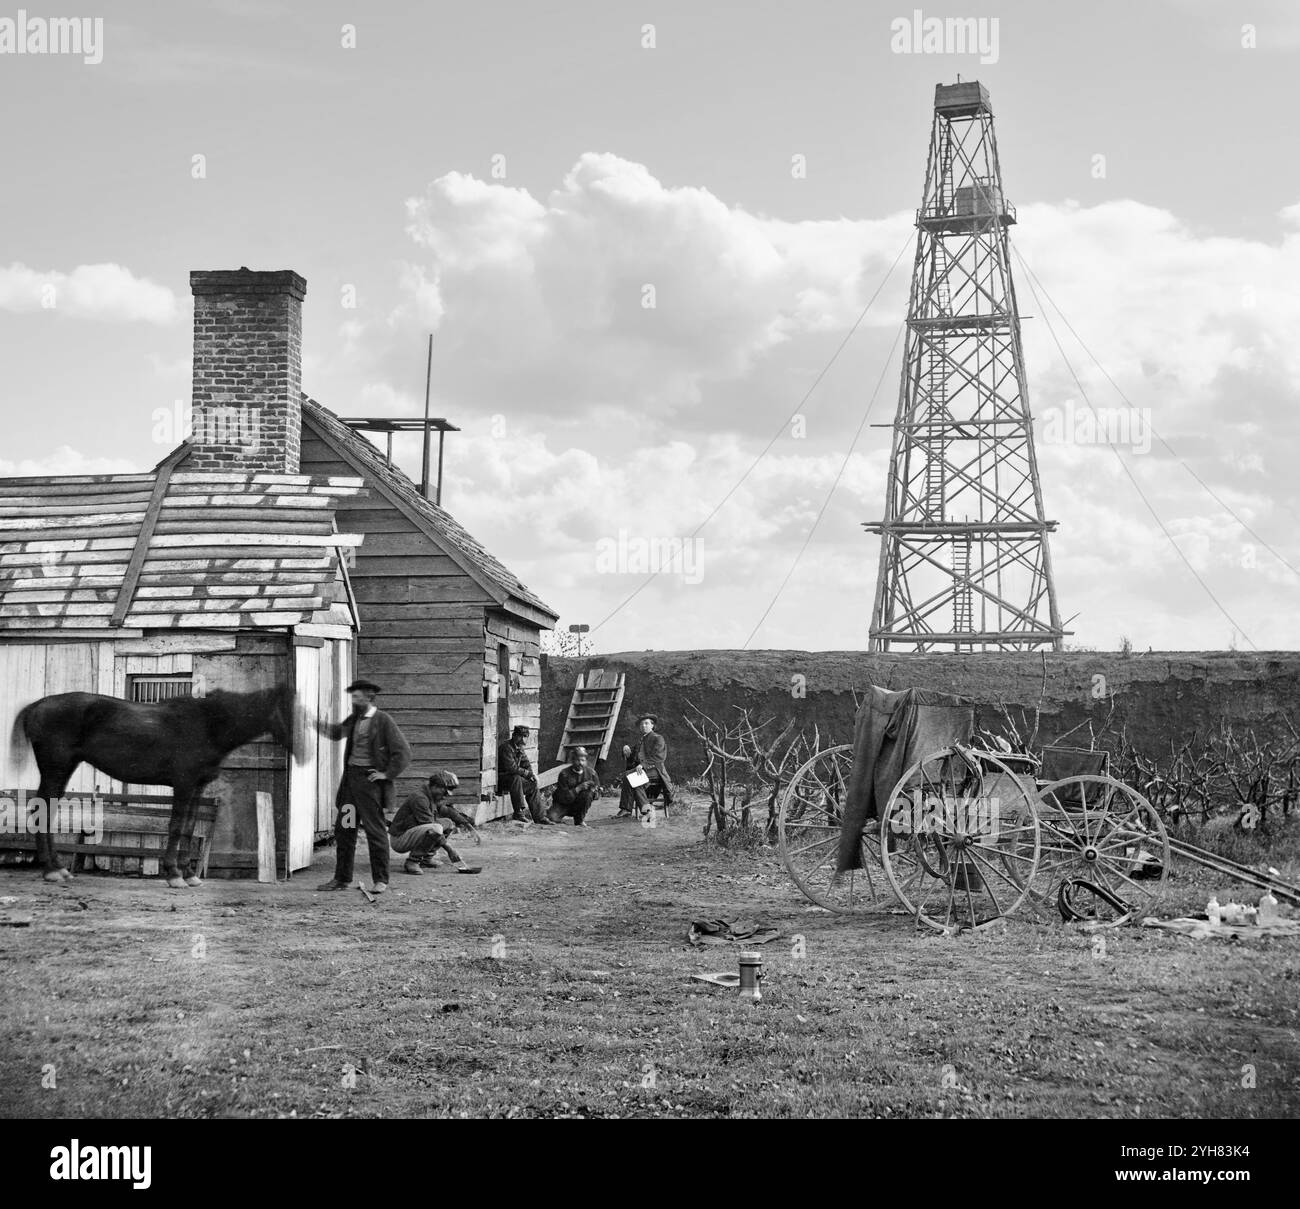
[209, 551]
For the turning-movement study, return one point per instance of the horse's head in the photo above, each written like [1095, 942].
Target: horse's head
[288, 721]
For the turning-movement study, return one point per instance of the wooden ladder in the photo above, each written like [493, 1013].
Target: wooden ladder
[593, 714]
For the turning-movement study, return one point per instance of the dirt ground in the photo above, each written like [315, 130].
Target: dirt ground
[557, 983]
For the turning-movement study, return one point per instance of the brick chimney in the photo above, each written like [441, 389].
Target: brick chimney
[247, 402]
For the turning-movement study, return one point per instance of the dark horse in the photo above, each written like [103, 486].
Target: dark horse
[180, 742]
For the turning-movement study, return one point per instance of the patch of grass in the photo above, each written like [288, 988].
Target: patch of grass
[1278, 845]
[557, 984]
[740, 837]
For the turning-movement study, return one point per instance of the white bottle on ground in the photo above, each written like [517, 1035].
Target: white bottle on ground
[1267, 908]
[1212, 911]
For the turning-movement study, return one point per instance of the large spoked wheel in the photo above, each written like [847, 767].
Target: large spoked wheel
[809, 825]
[959, 840]
[1099, 832]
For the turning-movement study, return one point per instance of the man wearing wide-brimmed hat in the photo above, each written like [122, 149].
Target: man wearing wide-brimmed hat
[651, 756]
[375, 754]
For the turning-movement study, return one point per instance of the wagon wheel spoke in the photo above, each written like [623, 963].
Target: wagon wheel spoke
[810, 826]
[1119, 825]
[830, 839]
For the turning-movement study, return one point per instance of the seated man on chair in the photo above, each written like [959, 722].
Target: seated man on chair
[576, 788]
[651, 756]
[418, 830]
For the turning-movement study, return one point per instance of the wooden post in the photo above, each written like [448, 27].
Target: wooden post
[424, 467]
[265, 838]
[441, 434]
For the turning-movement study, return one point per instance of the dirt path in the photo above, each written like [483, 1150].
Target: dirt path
[557, 983]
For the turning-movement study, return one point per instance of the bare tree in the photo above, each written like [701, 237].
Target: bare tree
[748, 763]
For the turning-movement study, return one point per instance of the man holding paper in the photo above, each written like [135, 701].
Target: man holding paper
[647, 774]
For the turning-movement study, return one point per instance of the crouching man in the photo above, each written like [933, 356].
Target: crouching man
[576, 788]
[420, 826]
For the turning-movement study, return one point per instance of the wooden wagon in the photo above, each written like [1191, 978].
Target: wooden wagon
[914, 817]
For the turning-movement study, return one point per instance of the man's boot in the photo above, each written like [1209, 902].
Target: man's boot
[412, 866]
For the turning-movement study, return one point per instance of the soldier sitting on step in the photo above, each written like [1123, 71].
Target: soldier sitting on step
[515, 776]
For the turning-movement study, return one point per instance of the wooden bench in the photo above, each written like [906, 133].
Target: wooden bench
[134, 838]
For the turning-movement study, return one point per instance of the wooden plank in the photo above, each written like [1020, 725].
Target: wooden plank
[122, 534]
[265, 838]
[26, 581]
[404, 565]
[73, 506]
[175, 644]
[425, 637]
[264, 478]
[135, 563]
[301, 822]
[68, 545]
[22, 681]
[215, 577]
[404, 544]
[37, 596]
[65, 562]
[100, 609]
[41, 484]
[292, 542]
[12, 527]
[237, 485]
[252, 503]
[391, 614]
[331, 703]
[228, 526]
[55, 629]
[207, 559]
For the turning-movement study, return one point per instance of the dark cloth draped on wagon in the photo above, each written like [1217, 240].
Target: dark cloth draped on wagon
[892, 731]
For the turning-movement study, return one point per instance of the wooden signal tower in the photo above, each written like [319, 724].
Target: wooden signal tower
[964, 558]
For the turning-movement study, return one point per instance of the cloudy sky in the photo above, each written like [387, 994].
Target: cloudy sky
[514, 177]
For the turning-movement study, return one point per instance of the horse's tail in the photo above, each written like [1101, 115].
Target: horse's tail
[18, 741]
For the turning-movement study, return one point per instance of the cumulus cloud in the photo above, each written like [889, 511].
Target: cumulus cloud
[65, 460]
[90, 291]
[620, 290]
[587, 415]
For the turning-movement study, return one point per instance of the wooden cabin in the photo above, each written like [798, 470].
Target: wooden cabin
[450, 634]
[276, 542]
[174, 582]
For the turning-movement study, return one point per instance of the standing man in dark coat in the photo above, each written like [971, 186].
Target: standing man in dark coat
[515, 776]
[375, 754]
[576, 788]
[651, 756]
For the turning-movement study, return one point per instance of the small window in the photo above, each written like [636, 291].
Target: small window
[150, 689]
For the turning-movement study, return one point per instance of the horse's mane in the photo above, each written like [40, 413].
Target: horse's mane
[227, 709]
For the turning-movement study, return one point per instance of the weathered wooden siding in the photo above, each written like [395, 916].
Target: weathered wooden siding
[239, 663]
[523, 693]
[31, 670]
[259, 661]
[421, 634]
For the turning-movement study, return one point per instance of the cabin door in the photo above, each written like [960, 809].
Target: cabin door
[258, 767]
